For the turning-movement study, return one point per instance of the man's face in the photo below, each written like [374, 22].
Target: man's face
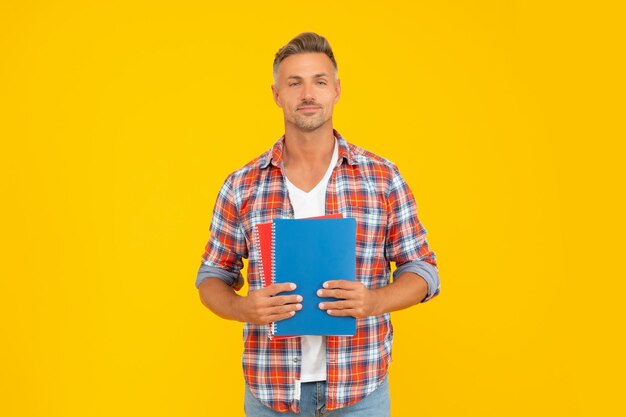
[307, 89]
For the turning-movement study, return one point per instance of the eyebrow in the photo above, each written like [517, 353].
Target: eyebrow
[297, 77]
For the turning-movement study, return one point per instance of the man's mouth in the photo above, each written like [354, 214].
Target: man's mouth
[308, 108]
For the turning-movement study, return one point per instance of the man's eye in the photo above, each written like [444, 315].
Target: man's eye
[293, 84]
[321, 82]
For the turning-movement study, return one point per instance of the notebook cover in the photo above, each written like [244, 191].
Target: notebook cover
[308, 253]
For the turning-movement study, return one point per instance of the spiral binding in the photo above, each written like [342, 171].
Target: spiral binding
[257, 242]
[273, 272]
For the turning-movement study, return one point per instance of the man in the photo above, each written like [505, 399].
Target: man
[313, 171]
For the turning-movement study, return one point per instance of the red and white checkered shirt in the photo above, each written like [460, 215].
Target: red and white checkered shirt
[363, 186]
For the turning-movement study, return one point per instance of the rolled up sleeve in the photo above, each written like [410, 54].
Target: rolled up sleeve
[232, 279]
[429, 273]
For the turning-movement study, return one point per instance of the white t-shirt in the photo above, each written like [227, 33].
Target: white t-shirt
[312, 204]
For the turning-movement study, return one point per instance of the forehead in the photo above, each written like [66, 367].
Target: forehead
[305, 65]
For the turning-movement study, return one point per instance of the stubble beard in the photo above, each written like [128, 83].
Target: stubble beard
[309, 123]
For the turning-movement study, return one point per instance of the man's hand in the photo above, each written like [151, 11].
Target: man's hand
[264, 306]
[353, 299]
[356, 299]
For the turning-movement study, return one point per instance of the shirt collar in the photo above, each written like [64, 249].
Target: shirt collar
[275, 155]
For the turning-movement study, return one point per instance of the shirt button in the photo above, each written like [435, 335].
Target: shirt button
[295, 359]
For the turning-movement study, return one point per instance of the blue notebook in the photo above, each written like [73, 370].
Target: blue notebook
[309, 252]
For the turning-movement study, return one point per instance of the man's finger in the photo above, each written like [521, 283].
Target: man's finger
[335, 293]
[284, 309]
[279, 300]
[348, 312]
[279, 317]
[341, 284]
[278, 288]
[336, 305]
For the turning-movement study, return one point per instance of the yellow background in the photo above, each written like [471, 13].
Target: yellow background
[120, 120]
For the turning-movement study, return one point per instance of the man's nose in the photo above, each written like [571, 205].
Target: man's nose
[307, 92]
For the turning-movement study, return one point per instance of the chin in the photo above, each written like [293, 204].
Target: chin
[310, 128]
[310, 125]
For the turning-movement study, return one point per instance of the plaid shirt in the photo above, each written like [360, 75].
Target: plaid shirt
[363, 186]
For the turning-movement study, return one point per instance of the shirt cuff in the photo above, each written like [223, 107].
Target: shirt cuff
[232, 279]
[424, 270]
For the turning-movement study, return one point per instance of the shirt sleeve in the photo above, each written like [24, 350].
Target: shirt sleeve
[222, 258]
[406, 243]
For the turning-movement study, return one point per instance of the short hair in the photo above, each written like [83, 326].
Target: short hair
[306, 42]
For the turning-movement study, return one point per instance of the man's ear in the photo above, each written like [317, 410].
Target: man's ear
[275, 95]
[337, 90]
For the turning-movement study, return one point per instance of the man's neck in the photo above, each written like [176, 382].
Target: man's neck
[308, 149]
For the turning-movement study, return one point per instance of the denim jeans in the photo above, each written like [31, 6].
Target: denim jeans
[313, 404]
